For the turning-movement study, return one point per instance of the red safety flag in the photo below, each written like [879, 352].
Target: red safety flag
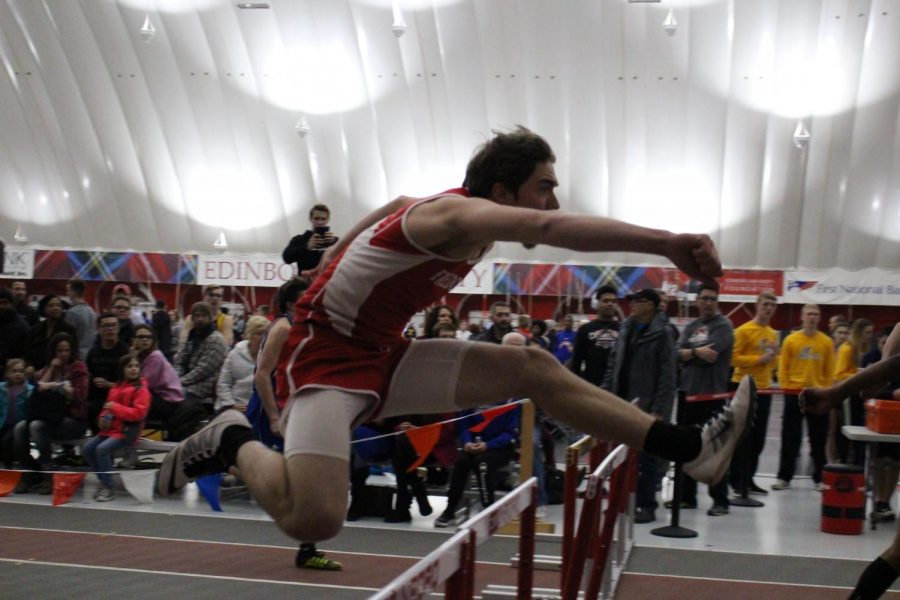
[65, 485]
[8, 481]
[423, 440]
[491, 414]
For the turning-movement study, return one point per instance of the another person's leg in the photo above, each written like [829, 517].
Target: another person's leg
[818, 435]
[880, 574]
[104, 455]
[757, 439]
[464, 464]
[791, 432]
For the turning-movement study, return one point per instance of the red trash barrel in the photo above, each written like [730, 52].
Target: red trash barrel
[843, 499]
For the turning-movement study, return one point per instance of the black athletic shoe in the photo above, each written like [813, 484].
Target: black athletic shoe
[197, 455]
[883, 513]
[644, 515]
[398, 516]
[444, 520]
[684, 505]
[755, 490]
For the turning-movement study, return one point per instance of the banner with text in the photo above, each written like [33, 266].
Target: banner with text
[263, 270]
[480, 280]
[834, 286]
[17, 264]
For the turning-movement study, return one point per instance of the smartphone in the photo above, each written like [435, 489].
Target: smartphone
[321, 230]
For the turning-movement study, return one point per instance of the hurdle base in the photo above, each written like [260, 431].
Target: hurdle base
[542, 562]
[745, 502]
[498, 592]
[674, 531]
[514, 527]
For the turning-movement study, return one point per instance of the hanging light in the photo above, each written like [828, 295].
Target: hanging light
[399, 26]
[302, 127]
[147, 29]
[669, 23]
[20, 236]
[801, 135]
[221, 243]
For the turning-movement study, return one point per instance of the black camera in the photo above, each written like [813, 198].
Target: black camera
[321, 230]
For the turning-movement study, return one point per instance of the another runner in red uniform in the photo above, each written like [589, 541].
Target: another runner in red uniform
[347, 362]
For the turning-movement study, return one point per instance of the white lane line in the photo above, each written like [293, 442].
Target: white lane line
[238, 544]
[20, 561]
[812, 585]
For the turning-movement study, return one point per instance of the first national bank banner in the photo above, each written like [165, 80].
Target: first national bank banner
[869, 286]
[260, 270]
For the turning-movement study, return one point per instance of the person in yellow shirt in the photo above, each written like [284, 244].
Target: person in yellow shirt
[807, 360]
[755, 353]
[847, 363]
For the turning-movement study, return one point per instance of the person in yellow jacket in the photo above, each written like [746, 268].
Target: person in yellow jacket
[807, 360]
[755, 353]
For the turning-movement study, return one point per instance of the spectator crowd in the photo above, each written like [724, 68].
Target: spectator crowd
[70, 373]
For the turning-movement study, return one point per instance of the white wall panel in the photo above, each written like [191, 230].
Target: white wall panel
[108, 141]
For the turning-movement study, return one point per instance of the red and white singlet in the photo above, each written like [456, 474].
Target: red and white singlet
[348, 325]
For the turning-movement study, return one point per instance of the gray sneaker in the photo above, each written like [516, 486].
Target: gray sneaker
[197, 455]
[130, 459]
[104, 494]
[722, 433]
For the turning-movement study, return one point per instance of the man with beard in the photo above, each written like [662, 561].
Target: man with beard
[20, 300]
[213, 295]
[595, 340]
[199, 361]
[14, 331]
[501, 324]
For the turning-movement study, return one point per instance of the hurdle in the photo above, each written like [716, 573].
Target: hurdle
[604, 541]
[453, 562]
[597, 452]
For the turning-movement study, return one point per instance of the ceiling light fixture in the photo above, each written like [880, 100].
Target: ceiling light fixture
[252, 5]
[801, 135]
[399, 25]
[20, 236]
[670, 24]
[302, 127]
[147, 30]
[221, 243]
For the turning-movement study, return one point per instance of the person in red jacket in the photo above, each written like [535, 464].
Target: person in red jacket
[126, 408]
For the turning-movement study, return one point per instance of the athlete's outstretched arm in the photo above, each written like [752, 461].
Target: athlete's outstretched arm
[477, 222]
[369, 220]
[873, 377]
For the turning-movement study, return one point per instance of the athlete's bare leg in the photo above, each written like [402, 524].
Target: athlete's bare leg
[305, 494]
[491, 373]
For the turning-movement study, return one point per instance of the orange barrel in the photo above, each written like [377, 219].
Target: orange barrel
[843, 500]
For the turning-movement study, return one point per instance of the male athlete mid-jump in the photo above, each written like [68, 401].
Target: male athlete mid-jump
[346, 362]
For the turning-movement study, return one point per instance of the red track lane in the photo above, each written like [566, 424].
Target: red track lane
[221, 559]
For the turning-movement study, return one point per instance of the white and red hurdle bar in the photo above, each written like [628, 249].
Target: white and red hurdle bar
[596, 559]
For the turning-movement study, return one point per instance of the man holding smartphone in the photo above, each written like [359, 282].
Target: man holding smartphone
[306, 249]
